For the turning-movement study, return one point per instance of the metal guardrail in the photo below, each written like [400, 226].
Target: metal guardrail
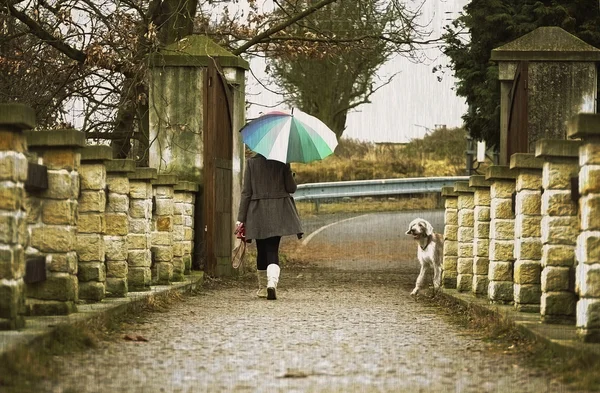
[381, 187]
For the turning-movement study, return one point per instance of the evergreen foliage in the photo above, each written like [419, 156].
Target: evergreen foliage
[493, 23]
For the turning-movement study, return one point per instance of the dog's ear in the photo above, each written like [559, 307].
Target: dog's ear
[428, 228]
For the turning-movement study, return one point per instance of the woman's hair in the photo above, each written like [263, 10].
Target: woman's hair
[248, 153]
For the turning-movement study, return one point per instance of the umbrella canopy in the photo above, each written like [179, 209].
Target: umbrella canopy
[289, 137]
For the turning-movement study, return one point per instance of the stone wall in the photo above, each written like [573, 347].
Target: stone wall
[77, 226]
[544, 230]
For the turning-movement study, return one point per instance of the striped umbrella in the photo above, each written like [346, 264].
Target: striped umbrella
[289, 137]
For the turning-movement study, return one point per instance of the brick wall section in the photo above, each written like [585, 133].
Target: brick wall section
[528, 242]
[449, 273]
[587, 127]
[502, 233]
[52, 218]
[466, 209]
[162, 230]
[481, 234]
[117, 226]
[183, 223]
[560, 227]
[139, 239]
[91, 223]
[14, 119]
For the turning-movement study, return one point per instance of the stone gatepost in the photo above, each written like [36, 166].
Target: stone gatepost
[162, 231]
[587, 127]
[91, 223]
[14, 118]
[466, 208]
[139, 239]
[117, 226]
[183, 223]
[52, 218]
[481, 234]
[560, 228]
[450, 273]
[502, 233]
[528, 242]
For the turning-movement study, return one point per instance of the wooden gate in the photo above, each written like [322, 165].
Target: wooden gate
[218, 150]
[517, 140]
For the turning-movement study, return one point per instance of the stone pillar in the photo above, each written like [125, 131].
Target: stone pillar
[450, 273]
[91, 223]
[139, 256]
[183, 226]
[587, 127]
[528, 243]
[53, 221]
[481, 234]
[466, 207]
[14, 118]
[117, 226]
[162, 229]
[502, 234]
[560, 228]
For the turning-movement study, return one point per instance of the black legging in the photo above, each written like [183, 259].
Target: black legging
[268, 252]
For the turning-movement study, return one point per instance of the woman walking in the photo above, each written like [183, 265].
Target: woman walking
[267, 212]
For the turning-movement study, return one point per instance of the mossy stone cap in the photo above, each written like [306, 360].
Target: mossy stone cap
[17, 115]
[55, 138]
[120, 165]
[547, 43]
[196, 50]
[584, 125]
[526, 161]
[186, 186]
[448, 192]
[501, 172]
[557, 148]
[143, 173]
[96, 153]
[479, 181]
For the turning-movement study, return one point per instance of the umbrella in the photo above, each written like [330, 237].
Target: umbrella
[289, 137]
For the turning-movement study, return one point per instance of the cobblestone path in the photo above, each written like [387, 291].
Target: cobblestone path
[329, 331]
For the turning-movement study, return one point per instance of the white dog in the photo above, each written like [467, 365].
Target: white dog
[429, 252]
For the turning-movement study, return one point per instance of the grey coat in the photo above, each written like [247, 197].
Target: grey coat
[266, 208]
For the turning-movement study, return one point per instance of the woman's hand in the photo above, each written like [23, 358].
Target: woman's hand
[238, 226]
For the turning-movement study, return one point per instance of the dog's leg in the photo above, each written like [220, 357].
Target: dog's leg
[420, 281]
[437, 277]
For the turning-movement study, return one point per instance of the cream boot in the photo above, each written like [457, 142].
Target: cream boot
[272, 280]
[262, 283]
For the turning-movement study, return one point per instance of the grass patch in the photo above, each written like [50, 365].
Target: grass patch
[370, 205]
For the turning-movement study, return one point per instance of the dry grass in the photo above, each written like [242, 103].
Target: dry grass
[369, 205]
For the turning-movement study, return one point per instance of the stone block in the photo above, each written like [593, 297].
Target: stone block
[557, 304]
[451, 203]
[139, 226]
[451, 248]
[480, 285]
[588, 313]
[62, 263]
[184, 197]
[558, 255]
[481, 266]
[464, 282]
[92, 201]
[500, 291]
[140, 241]
[588, 279]
[90, 247]
[59, 212]
[68, 159]
[482, 213]
[117, 224]
[37, 307]
[139, 258]
[501, 209]
[177, 219]
[502, 229]
[527, 294]
[92, 177]
[529, 202]
[33, 208]
[116, 248]
[164, 192]
[164, 273]
[91, 223]
[13, 227]
[588, 247]
[57, 286]
[528, 226]
[451, 217]
[13, 166]
[116, 287]
[589, 179]
[449, 279]
[140, 208]
[188, 210]
[481, 230]
[481, 247]
[465, 234]
[139, 279]
[163, 223]
[92, 291]
[465, 265]
[91, 271]
[178, 249]
[140, 190]
[560, 230]
[53, 238]
[589, 154]
[118, 184]
[12, 301]
[529, 181]
[558, 203]
[528, 249]
[502, 189]
[557, 279]
[117, 203]
[178, 269]
[557, 174]
[500, 271]
[116, 269]
[10, 140]
[590, 212]
[164, 207]
[12, 262]
[450, 232]
[450, 263]
[501, 250]
[465, 250]
[482, 197]
[12, 196]
[60, 185]
[466, 218]
[162, 253]
[527, 272]
[162, 239]
[188, 234]
[187, 263]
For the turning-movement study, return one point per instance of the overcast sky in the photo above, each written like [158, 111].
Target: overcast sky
[412, 103]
